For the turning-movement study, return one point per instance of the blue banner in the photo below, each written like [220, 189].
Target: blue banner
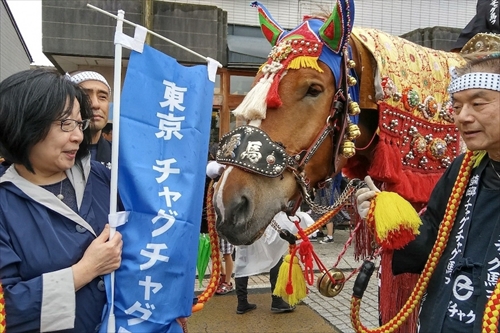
[164, 135]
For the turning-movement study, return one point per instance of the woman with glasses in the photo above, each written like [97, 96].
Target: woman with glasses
[54, 203]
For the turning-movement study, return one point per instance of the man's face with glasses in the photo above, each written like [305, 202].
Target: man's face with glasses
[57, 152]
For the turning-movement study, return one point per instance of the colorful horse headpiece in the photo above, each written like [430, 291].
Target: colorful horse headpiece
[316, 38]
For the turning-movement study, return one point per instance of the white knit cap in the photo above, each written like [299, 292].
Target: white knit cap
[89, 76]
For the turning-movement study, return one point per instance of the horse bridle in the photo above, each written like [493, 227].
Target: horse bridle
[251, 149]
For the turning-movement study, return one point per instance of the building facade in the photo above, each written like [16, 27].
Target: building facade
[76, 37]
[14, 54]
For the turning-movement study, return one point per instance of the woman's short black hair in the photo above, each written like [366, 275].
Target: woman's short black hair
[30, 101]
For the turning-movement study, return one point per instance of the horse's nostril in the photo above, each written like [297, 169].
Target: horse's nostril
[240, 210]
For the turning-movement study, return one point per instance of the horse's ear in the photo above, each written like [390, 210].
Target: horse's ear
[336, 30]
[270, 28]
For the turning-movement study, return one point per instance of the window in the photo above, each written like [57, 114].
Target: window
[217, 84]
[235, 122]
[215, 126]
[240, 85]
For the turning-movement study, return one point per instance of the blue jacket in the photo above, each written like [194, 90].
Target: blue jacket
[40, 239]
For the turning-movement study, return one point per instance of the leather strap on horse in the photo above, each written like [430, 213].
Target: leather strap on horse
[331, 125]
[490, 323]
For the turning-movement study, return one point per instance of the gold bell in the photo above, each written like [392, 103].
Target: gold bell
[351, 81]
[329, 288]
[354, 108]
[348, 149]
[351, 63]
[353, 131]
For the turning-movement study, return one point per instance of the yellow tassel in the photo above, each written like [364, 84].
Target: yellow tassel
[291, 290]
[396, 221]
[303, 62]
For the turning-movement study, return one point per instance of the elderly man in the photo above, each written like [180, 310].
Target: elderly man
[467, 267]
[99, 91]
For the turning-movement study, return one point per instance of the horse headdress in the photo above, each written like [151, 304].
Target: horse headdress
[315, 39]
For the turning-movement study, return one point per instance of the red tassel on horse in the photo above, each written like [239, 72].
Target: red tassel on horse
[386, 165]
[399, 288]
[273, 97]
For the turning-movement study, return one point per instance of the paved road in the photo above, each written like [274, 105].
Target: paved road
[219, 316]
[335, 310]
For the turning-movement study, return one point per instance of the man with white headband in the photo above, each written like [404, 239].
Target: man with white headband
[99, 93]
[465, 205]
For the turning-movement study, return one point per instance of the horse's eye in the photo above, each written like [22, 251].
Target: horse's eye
[313, 91]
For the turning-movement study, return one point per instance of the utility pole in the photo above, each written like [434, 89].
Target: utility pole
[147, 17]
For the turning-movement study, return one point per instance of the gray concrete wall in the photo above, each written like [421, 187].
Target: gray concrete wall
[71, 28]
[13, 57]
[195, 27]
[438, 38]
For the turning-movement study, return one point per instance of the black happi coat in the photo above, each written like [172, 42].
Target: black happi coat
[474, 268]
[487, 19]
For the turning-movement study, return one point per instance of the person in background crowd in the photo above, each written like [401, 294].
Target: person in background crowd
[326, 197]
[467, 272]
[225, 284]
[99, 92]
[52, 263]
[107, 132]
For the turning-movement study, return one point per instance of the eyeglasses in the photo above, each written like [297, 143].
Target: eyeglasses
[68, 125]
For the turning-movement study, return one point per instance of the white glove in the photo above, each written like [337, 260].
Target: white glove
[214, 169]
[364, 195]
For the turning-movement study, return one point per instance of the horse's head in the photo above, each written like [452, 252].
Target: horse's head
[297, 128]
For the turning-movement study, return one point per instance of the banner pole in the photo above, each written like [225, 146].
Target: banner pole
[114, 154]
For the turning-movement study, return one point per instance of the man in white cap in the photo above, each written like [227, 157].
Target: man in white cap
[99, 92]
[457, 249]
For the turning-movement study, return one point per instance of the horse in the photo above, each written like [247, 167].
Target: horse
[335, 98]
[324, 95]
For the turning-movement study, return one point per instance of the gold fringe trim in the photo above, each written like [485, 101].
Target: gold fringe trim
[305, 61]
